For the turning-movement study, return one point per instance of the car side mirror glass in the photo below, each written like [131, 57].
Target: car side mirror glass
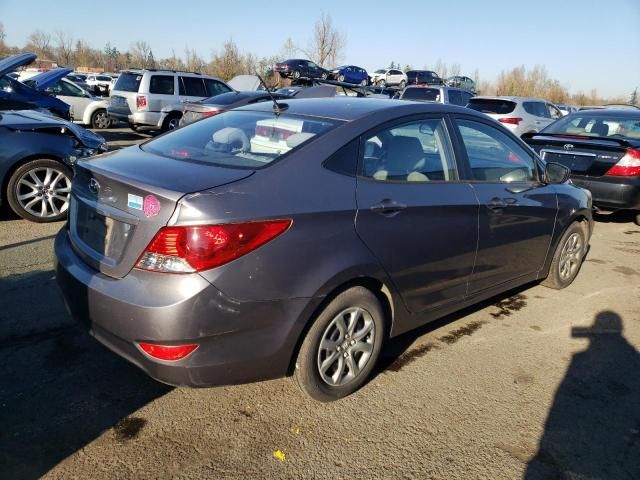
[555, 173]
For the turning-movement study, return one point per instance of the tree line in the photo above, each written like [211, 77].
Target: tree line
[326, 46]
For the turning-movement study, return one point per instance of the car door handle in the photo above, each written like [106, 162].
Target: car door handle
[388, 208]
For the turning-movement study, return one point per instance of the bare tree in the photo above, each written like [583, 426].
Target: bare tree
[40, 42]
[194, 62]
[140, 52]
[289, 48]
[455, 69]
[64, 47]
[228, 63]
[3, 35]
[327, 43]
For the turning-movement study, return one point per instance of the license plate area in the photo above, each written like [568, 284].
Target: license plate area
[577, 162]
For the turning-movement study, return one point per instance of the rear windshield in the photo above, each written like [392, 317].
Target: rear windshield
[488, 105]
[225, 98]
[128, 82]
[587, 124]
[425, 94]
[239, 139]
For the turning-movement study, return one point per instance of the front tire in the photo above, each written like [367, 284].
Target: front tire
[636, 219]
[171, 122]
[567, 259]
[342, 346]
[39, 190]
[341, 78]
[296, 74]
[381, 83]
[100, 120]
[403, 84]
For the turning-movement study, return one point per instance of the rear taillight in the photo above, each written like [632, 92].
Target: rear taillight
[210, 113]
[627, 166]
[194, 248]
[141, 101]
[168, 352]
[510, 120]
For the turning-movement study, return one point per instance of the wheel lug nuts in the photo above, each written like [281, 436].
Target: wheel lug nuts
[346, 354]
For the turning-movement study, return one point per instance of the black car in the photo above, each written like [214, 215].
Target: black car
[37, 152]
[299, 68]
[423, 77]
[602, 149]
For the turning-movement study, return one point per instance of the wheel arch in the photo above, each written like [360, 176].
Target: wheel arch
[372, 283]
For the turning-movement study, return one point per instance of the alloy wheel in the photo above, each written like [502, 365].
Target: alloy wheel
[101, 120]
[44, 192]
[346, 346]
[570, 257]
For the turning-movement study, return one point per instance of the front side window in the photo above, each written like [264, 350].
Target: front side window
[161, 84]
[419, 151]
[239, 139]
[65, 89]
[215, 87]
[493, 156]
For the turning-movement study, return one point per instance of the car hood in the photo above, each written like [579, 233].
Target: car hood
[46, 79]
[9, 64]
[23, 120]
[244, 82]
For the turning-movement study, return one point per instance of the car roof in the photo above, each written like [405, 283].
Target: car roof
[352, 108]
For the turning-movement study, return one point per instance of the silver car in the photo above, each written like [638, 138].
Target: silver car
[154, 98]
[438, 94]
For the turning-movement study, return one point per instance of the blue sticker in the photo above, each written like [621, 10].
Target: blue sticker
[134, 201]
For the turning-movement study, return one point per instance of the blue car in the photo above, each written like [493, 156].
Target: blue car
[350, 74]
[15, 95]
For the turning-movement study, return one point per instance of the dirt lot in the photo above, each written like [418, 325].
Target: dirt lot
[535, 384]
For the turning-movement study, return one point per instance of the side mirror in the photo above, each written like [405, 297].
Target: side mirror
[555, 173]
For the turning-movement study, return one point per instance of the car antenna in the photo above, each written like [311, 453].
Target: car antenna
[277, 107]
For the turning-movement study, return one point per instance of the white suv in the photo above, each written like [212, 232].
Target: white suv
[518, 114]
[388, 77]
[153, 99]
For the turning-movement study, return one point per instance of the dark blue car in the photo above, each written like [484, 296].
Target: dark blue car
[15, 95]
[350, 74]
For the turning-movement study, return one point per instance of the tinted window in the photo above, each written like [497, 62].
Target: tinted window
[103, 78]
[466, 96]
[215, 87]
[490, 105]
[128, 82]
[584, 123]
[239, 139]
[493, 156]
[413, 152]
[455, 97]
[226, 98]
[538, 109]
[162, 84]
[345, 160]
[424, 94]
[192, 87]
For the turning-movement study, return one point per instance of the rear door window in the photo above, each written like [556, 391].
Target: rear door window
[161, 84]
[128, 82]
[192, 87]
[493, 156]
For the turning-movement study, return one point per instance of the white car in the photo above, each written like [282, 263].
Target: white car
[99, 83]
[519, 114]
[86, 109]
[389, 77]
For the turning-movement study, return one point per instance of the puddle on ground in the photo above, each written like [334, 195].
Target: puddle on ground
[625, 270]
[128, 428]
[410, 356]
[467, 330]
[509, 305]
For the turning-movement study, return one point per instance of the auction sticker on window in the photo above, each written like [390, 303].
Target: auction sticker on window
[134, 201]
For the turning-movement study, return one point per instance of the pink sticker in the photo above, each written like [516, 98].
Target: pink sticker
[151, 206]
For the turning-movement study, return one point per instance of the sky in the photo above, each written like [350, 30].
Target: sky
[585, 44]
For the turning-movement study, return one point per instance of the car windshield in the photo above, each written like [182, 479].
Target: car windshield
[425, 94]
[380, 71]
[128, 82]
[239, 139]
[492, 105]
[587, 124]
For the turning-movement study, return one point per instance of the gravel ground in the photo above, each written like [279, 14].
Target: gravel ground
[534, 384]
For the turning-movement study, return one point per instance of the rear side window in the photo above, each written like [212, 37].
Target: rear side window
[424, 94]
[419, 151]
[162, 84]
[128, 82]
[538, 109]
[192, 87]
[493, 156]
[215, 87]
[490, 105]
[345, 160]
[455, 97]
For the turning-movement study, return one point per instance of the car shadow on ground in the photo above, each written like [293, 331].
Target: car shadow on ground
[60, 388]
[620, 216]
[124, 135]
[593, 426]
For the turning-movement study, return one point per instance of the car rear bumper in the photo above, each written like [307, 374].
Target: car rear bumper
[238, 341]
[612, 193]
[151, 119]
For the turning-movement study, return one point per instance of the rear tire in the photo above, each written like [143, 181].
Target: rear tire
[342, 346]
[403, 84]
[341, 78]
[296, 74]
[567, 259]
[381, 83]
[39, 190]
[636, 219]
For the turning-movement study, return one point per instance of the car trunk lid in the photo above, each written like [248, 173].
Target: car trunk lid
[118, 204]
[584, 156]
